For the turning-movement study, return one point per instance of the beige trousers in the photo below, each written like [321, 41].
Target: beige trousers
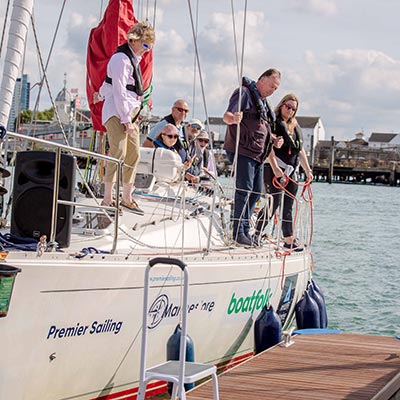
[124, 147]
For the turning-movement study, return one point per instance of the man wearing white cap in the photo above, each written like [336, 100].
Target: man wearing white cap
[192, 129]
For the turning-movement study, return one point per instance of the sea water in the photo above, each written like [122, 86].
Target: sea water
[356, 250]
[357, 255]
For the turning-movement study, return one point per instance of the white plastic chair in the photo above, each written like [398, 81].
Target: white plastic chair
[177, 372]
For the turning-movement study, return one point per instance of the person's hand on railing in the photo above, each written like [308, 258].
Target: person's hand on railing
[309, 175]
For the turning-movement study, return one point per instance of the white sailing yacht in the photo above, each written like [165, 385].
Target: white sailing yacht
[70, 325]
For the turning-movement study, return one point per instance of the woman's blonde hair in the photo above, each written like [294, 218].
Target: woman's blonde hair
[291, 122]
[142, 31]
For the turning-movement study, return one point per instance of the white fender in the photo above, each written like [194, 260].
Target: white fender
[164, 164]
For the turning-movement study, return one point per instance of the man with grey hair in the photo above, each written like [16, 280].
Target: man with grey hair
[255, 120]
[179, 112]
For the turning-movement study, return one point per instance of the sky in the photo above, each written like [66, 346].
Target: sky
[340, 57]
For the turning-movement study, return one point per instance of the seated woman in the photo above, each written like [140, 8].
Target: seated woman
[167, 139]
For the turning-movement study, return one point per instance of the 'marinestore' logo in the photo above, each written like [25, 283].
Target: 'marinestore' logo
[249, 303]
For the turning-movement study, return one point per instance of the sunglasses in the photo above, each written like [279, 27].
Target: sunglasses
[195, 126]
[290, 108]
[203, 140]
[146, 46]
[180, 109]
[171, 136]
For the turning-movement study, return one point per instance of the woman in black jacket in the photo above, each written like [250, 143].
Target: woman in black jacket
[289, 157]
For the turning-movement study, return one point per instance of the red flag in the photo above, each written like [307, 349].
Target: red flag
[103, 41]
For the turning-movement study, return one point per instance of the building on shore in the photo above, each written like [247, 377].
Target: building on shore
[20, 101]
[358, 160]
[71, 122]
[313, 132]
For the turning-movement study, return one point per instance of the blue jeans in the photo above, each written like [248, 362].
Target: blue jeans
[249, 183]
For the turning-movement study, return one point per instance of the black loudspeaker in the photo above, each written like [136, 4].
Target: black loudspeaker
[33, 195]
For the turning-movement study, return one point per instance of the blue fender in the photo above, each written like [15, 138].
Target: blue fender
[317, 288]
[173, 346]
[307, 313]
[267, 329]
[321, 306]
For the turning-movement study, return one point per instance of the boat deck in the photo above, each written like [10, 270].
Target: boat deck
[328, 367]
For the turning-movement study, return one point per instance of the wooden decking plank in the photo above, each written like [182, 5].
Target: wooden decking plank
[328, 367]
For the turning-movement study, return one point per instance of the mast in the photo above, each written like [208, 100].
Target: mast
[20, 18]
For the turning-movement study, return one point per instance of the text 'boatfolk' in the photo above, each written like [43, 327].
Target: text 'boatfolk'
[249, 303]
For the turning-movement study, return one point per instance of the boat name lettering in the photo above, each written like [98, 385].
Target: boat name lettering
[165, 278]
[162, 308]
[249, 303]
[80, 330]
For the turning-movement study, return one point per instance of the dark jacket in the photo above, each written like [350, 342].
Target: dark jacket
[255, 133]
[289, 152]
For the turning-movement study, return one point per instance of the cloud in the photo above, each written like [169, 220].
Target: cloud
[174, 56]
[347, 87]
[349, 78]
[318, 7]
[216, 40]
[78, 29]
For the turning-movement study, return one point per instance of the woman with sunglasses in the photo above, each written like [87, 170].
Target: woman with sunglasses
[289, 157]
[167, 139]
[122, 93]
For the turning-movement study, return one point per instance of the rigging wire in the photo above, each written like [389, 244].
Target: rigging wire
[154, 14]
[147, 11]
[45, 80]
[235, 42]
[203, 96]
[44, 69]
[233, 171]
[194, 62]
[101, 9]
[199, 67]
[4, 27]
[240, 74]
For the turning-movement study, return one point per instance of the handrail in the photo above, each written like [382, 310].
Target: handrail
[75, 151]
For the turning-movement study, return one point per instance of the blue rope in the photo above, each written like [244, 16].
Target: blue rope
[11, 241]
[90, 250]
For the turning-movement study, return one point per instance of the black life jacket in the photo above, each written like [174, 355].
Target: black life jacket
[137, 73]
[181, 145]
[264, 111]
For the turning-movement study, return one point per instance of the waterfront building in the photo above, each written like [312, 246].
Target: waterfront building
[356, 160]
[20, 101]
[388, 141]
[313, 132]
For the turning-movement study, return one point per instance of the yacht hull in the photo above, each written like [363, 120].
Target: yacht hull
[73, 329]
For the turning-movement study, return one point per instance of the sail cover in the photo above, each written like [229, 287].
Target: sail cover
[103, 41]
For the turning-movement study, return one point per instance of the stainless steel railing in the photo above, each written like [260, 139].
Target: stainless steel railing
[58, 148]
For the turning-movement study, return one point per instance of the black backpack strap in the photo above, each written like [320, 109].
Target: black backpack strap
[137, 73]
